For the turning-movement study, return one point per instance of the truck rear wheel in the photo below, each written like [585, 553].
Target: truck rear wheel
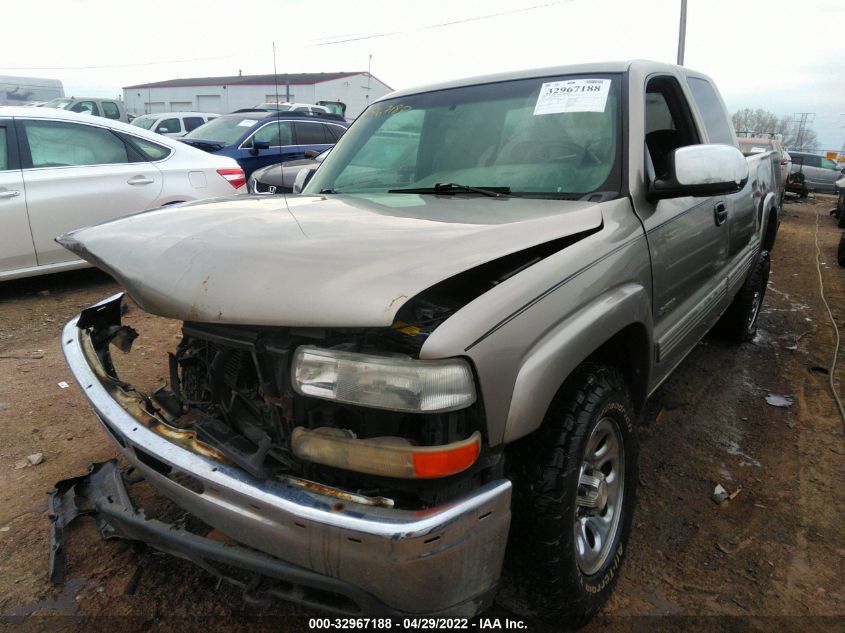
[739, 323]
[574, 495]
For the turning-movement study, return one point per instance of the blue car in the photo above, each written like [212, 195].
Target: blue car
[257, 138]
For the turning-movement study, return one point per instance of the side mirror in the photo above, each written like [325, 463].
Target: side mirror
[162, 130]
[257, 146]
[700, 171]
[302, 178]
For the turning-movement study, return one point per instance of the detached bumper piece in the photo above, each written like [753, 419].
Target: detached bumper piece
[334, 549]
[102, 495]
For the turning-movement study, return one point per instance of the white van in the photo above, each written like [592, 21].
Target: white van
[20, 91]
[174, 124]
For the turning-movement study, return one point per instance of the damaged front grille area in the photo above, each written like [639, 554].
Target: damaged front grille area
[231, 385]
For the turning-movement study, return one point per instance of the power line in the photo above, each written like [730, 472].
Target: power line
[441, 24]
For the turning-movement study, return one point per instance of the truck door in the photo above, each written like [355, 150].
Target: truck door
[16, 247]
[741, 207]
[687, 237]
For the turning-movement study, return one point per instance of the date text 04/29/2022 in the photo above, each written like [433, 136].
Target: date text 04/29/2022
[429, 624]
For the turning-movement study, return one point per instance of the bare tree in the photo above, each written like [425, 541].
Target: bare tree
[760, 122]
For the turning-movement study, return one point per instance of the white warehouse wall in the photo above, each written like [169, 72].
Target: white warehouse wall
[352, 90]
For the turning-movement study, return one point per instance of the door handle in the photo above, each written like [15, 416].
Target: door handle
[9, 194]
[720, 211]
[139, 180]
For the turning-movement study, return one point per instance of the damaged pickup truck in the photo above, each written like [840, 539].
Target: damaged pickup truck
[417, 384]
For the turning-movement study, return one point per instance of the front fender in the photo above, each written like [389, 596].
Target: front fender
[569, 344]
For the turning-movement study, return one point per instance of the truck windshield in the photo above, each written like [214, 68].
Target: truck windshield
[60, 103]
[146, 121]
[547, 137]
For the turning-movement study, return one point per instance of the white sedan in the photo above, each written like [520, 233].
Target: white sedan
[61, 171]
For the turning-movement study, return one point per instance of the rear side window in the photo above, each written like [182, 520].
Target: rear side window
[4, 156]
[169, 126]
[192, 122]
[310, 134]
[335, 132]
[151, 151]
[59, 144]
[715, 118]
[110, 110]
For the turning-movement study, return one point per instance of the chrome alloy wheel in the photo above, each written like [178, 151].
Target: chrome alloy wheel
[601, 484]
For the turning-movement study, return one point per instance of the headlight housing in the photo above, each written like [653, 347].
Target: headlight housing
[395, 383]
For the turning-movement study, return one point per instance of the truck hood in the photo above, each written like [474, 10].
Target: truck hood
[339, 260]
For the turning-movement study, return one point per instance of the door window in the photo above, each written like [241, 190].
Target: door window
[277, 134]
[310, 133]
[4, 157]
[192, 122]
[712, 111]
[110, 110]
[85, 107]
[812, 161]
[668, 122]
[59, 144]
[829, 164]
[169, 126]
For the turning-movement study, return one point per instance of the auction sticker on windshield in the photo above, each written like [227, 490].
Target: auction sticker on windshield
[573, 95]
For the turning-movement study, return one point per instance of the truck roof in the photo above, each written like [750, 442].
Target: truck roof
[573, 69]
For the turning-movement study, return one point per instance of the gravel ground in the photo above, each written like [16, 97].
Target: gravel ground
[773, 558]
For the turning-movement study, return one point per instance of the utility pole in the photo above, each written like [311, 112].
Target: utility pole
[682, 33]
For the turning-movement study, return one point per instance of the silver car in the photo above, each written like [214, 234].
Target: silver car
[817, 173]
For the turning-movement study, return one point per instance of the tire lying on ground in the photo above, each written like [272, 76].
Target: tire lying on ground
[574, 495]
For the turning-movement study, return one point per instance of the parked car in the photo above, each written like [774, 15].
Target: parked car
[386, 381]
[840, 202]
[60, 171]
[287, 106]
[753, 145]
[280, 178]
[175, 124]
[811, 172]
[106, 108]
[257, 138]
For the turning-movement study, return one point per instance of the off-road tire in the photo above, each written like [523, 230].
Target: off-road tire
[739, 323]
[542, 573]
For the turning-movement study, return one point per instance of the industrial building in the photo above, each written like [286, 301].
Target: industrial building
[226, 94]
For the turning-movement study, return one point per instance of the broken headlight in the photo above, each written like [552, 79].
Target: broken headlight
[383, 382]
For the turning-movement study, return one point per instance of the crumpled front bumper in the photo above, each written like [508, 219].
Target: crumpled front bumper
[444, 560]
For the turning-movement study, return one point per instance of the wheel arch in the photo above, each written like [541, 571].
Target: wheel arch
[622, 316]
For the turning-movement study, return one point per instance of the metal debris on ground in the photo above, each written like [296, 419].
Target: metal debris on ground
[777, 400]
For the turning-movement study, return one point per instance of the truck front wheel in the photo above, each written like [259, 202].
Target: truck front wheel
[574, 494]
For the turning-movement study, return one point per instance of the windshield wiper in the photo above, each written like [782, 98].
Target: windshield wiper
[446, 188]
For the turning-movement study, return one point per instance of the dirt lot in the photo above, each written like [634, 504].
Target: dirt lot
[773, 558]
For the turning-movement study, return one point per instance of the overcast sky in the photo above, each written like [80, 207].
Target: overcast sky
[784, 56]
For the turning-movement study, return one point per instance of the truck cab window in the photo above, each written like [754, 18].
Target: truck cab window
[712, 111]
[668, 122]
